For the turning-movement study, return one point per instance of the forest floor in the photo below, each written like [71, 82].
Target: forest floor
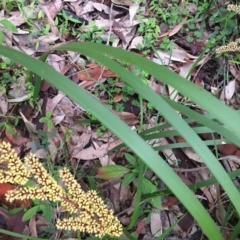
[183, 36]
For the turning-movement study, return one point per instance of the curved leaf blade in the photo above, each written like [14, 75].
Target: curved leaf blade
[130, 138]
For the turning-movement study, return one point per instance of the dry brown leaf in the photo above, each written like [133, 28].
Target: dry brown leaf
[169, 201]
[95, 73]
[32, 227]
[156, 87]
[185, 69]
[92, 65]
[106, 160]
[220, 210]
[186, 223]
[118, 97]
[228, 91]
[18, 140]
[126, 195]
[165, 220]
[15, 225]
[51, 9]
[127, 117]
[192, 155]
[88, 84]
[92, 153]
[57, 62]
[56, 100]
[101, 7]
[210, 193]
[141, 224]
[177, 28]
[133, 8]
[42, 221]
[156, 223]
[122, 2]
[233, 70]
[76, 5]
[164, 34]
[29, 125]
[136, 41]
[77, 142]
[3, 103]
[55, 142]
[166, 58]
[18, 17]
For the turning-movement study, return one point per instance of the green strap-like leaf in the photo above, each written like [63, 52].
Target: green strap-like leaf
[162, 106]
[129, 137]
[222, 112]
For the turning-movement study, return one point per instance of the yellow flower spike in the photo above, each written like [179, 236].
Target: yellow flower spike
[90, 213]
[16, 172]
[232, 46]
[20, 193]
[49, 188]
[234, 8]
[94, 216]
[70, 183]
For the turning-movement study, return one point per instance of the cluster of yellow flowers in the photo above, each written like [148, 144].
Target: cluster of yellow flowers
[234, 8]
[89, 211]
[232, 46]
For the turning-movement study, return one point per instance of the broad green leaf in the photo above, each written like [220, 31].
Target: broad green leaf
[128, 178]
[43, 119]
[8, 25]
[10, 129]
[149, 187]
[2, 124]
[45, 208]
[15, 210]
[112, 171]
[30, 213]
[130, 159]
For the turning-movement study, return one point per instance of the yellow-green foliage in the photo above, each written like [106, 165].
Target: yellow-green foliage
[89, 213]
[232, 46]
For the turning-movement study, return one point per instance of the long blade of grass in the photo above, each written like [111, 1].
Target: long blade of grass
[186, 144]
[236, 231]
[193, 186]
[177, 145]
[204, 120]
[162, 106]
[195, 117]
[188, 89]
[172, 133]
[138, 195]
[20, 236]
[136, 143]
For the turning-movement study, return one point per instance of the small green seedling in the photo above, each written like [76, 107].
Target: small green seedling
[47, 120]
